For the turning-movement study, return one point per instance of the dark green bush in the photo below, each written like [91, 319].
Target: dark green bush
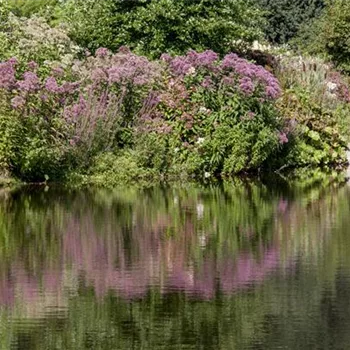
[286, 17]
[329, 35]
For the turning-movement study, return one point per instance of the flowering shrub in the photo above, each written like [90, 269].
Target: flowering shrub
[94, 111]
[326, 86]
[317, 138]
[317, 97]
[184, 115]
[218, 116]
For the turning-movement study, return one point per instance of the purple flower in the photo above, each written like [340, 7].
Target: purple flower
[30, 82]
[228, 81]
[76, 110]
[282, 138]
[229, 61]
[52, 86]
[32, 66]
[44, 97]
[153, 100]
[207, 58]
[18, 102]
[244, 68]
[7, 75]
[131, 68]
[165, 57]
[271, 92]
[70, 88]
[98, 75]
[57, 72]
[13, 61]
[246, 86]
[140, 80]
[101, 52]
[124, 50]
[207, 82]
[180, 65]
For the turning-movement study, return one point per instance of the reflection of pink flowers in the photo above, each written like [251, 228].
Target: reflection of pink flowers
[129, 267]
[246, 270]
[106, 267]
[282, 205]
[7, 295]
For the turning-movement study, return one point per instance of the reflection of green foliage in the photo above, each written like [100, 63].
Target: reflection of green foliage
[295, 215]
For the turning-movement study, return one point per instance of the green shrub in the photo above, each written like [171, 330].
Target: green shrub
[315, 104]
[153, 27]
[27, 151]
[71, 116]
[317, 138]
[111, 169]
[11, 139]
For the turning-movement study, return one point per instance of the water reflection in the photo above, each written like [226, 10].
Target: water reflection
[238, 265]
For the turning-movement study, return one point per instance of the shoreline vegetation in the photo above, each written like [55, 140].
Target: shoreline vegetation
[199, 95]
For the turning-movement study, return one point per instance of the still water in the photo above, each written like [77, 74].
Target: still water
[240, 265]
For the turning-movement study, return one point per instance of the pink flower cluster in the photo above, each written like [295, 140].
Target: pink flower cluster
[8, 74]
[122, 68]
[232, 71]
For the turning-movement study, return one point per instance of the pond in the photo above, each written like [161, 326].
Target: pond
[238, 265]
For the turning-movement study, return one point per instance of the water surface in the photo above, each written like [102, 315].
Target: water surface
[240, 265]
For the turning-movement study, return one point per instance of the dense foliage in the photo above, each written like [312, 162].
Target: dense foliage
[182, 111]
[317, 98]
[26, 8]
[286, 17]
[329, 35]
[71, 108]
[217, 117]
[153, 27]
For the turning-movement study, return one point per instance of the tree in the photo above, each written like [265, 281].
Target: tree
[329, 34]
[335, 32]
[285, 17]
